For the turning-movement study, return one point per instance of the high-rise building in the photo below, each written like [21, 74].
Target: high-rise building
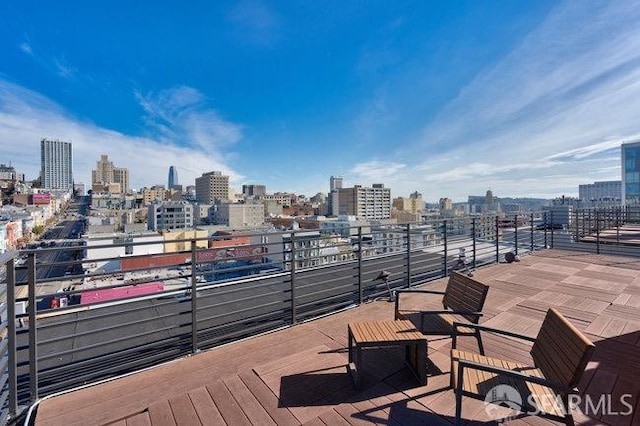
[121, 176]
[108, 178]
[253, 190]
[366, 203]
[103, 174]
[212, 186]
[56, 164]
[335, 182]
[173, 178]
[631, 173]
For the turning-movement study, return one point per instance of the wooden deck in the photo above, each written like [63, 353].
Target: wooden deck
[299, 376]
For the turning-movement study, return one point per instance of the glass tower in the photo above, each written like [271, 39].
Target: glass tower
[631, 173]
[173, 177]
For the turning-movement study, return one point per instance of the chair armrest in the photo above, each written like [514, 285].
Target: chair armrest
[462, 363]
[487, 329]
[414, 291]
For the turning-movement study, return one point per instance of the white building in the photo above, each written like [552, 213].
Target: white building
[170, 215]
[56, 163]
[238, 215]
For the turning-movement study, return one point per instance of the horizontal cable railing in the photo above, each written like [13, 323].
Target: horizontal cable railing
[104, 308]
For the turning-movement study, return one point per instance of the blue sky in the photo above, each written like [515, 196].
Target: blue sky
[446, 98]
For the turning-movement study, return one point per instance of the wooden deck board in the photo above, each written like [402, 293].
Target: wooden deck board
[298, 375]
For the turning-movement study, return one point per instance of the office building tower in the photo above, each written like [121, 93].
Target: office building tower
[253, 190]
[631, 173]
[335, 182]
[212, 186]
[56, 162]
[173, 178]
[108, 178]
[365, 203]
[121, 177]
[103, 174]
[601, 193]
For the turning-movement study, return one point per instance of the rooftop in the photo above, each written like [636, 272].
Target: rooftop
[298, 375]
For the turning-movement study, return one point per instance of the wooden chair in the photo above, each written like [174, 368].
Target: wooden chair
[560, 354]
[462, 300]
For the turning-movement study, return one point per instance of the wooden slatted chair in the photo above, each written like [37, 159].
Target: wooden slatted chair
[560, 354]
[462, 300]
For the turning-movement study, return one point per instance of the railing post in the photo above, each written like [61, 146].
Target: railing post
[551, 224]
[294, 316]
[597, 234]
[360, 287]
[11, 335]
[473, 230]
[408, 255]
[531, 235]
[618, 226]
[497, 229]
[33, 328]
[194, 305]
[515, 234]
[446, 251]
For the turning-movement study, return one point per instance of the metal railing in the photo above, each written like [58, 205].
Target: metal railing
[65, 329]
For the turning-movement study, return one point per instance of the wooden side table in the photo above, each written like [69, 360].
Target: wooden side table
[387, 333]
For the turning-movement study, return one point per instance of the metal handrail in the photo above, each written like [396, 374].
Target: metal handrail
[198, 315]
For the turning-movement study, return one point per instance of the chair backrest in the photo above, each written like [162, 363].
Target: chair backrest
[463, 293]
[561, 351]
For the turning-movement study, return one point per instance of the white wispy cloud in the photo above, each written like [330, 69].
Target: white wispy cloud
[26, 117]
[63, 68]
[181, 115]
[542, 120]
[255, 21]
[26, 48]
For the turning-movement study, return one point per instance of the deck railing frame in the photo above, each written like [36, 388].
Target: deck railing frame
[208, 314]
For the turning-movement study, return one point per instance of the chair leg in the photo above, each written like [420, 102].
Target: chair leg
[458, 391]
[479, 339]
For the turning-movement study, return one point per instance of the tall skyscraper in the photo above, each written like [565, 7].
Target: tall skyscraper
[335, 182]
[173, 178]
[212, 186]
[631, 173]
[56, 164]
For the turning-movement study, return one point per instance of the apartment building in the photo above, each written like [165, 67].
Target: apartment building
[56, 164]
[365, 202]
[170, 215]
[212, 187]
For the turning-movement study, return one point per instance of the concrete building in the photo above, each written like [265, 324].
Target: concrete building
[413, 204]
[237, 215]
[605, 193]
[170, 215]
[212, 187]
[364, 202]
[108, 178]
[253, 190]
[630, 187]
[155, 193]
[56, 164]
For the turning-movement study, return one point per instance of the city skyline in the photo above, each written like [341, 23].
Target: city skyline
[450, 100]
